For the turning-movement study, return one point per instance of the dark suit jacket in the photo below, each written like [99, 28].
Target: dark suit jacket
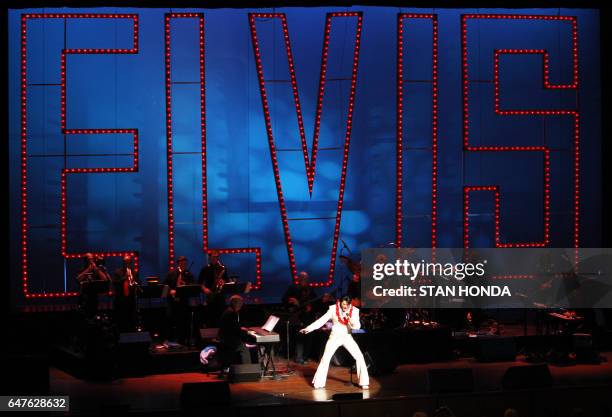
[230, 334]
[172, 278]
[119, 277]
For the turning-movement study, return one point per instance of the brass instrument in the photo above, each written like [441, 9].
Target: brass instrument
[219, 281]
[129, 283]
[179, 279]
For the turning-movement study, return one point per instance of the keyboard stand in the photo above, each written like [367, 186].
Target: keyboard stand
[266, 354]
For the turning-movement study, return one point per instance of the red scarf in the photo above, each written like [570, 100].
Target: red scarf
[340, 319]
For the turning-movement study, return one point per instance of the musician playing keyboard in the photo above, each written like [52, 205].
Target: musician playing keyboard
[232, 348]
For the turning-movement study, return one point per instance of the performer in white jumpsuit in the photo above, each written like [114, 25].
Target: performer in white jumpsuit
[344, 317]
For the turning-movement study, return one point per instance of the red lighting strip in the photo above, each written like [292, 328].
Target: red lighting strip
[399, 188]
[66, 171]
[547, 85]
[169, 151]
[466, 209]
[310, 164]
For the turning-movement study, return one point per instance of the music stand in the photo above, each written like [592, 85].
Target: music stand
[185, 292]
[234, 287]
[151, 291]
[286, 318]
[91, 289]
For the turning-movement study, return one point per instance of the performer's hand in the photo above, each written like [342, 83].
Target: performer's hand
[206, 290]
[173, 292]
[304, 331]
[293, 301]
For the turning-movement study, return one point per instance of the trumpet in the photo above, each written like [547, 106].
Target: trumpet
[129, 283]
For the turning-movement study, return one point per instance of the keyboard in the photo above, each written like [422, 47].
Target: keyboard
[259, 335]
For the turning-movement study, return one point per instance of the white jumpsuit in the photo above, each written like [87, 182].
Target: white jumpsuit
[340, 336]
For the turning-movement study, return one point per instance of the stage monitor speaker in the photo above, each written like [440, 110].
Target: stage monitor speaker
[380, 362]
[528, 376]
[496, 349]
[198, 395]
[347, 396]
[450, 380]
[249, 372]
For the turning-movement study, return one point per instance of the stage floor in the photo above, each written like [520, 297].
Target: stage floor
[162, 392]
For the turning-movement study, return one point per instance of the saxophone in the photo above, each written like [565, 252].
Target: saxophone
[219, 281]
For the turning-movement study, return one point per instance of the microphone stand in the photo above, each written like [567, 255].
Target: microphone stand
[288, 370]
[137, 291]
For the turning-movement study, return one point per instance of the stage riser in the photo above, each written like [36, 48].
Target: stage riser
[595, 401]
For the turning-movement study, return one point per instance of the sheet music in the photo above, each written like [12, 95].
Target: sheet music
[270, 323]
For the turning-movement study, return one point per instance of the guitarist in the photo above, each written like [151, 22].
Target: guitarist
[298, 303]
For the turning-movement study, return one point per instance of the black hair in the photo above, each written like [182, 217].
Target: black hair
[346, 298]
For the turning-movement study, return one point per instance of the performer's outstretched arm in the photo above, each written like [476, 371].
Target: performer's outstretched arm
[319, 322]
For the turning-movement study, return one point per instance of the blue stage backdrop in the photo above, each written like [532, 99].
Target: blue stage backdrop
[523, 60]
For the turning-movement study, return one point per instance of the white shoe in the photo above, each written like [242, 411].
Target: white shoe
[323, 387]
[365, 387]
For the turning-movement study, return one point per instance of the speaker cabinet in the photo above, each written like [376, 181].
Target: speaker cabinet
[379, 362]
[250, 372]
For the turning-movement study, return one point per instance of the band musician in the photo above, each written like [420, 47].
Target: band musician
[212, 278]
[177, 308]
[93, 270]
[354, 284]
[231, 344]
[125, 288]
[299, 304]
